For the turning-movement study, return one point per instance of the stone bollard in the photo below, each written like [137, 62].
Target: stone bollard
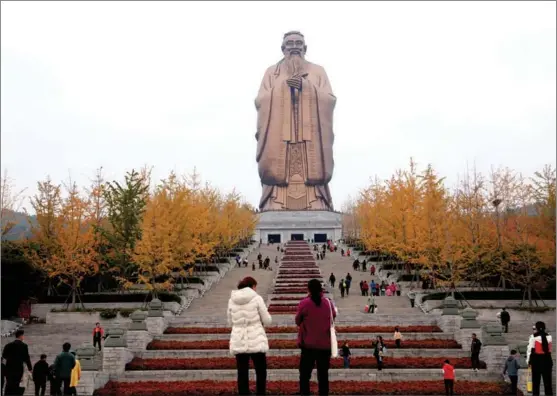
[468, 326]
[523, 372]
[138, 336]
[155, 318]
[91, 378]
[116, 354]
[449, 321]
[495, 349]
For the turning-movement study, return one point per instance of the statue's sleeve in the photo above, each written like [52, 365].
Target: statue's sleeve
[263, 101]
[325, 89]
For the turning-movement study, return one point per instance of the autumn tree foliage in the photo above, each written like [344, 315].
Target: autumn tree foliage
[185, 224]
[498, 229]
[65, 235]
[10, 203]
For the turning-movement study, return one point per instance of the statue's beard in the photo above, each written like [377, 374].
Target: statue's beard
[294, 64]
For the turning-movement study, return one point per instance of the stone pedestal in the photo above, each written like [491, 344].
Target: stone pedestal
[91, 380]
[115, 359]
[156, 324]
[468, 326]
[495, 349]
[285, 225]
[138, 336]
[450, 319]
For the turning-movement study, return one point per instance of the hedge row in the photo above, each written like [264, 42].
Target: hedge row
[113, 298]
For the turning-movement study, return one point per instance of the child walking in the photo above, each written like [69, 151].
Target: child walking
[397, 336]
[346, 355]
[40, 374]
[448, 378]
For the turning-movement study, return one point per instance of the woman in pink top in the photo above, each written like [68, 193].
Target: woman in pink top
[313, 319]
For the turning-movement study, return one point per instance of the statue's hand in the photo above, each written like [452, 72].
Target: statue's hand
[295, 82]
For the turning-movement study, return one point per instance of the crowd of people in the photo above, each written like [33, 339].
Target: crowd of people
[63, 375]
[248, 316]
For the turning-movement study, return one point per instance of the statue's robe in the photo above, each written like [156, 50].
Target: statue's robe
[288, 135]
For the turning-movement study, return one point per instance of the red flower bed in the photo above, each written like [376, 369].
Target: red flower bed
[299, 272]
[278, 309]
[280, 388]
[291, 344]
[293, 329]
[286, 299]
[305, 257]
[301, 265]
[305, 277]
[292, 290]
[292, 362]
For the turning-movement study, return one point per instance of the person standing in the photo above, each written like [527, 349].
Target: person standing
[365, 289]
[247, 315]
[397, 337]
[40, 374]
[539, 359]
[332, 279]
[16, 354]
[76, 376]
[98, 334]
[448, 378]
[371, 304]
[505, 318]
[314, 317]
[346, 355]
[379, 351]
[348, 281]
[475, 348]
[372, 270]
[63, 366]
[373, 287]
[342, 288]
[511, 369]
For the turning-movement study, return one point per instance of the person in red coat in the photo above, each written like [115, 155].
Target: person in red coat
[314, 317]
[98, 334]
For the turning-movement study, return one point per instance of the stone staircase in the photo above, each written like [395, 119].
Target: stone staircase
[209, 313]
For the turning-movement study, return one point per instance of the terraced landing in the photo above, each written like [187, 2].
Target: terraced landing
[192, 356]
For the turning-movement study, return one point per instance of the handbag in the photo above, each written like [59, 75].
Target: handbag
[529, 385]
[334, 342]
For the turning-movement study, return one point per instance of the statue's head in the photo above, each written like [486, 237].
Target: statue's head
[293, 43]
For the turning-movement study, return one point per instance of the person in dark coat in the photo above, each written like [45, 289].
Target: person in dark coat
[40, 374]
[16, 354]
[54, 382]
[3, 373]
[505, 319]
[475, 348]
[63, 366]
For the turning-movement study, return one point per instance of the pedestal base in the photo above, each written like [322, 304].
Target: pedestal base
[285, 225]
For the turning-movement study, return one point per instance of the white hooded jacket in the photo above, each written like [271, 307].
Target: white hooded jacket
[247, 314]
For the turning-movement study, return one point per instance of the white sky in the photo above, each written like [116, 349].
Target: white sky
[172, 84]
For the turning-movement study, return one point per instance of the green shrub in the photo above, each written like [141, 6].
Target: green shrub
[108, 313]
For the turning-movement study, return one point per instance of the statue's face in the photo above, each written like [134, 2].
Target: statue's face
[294, 44]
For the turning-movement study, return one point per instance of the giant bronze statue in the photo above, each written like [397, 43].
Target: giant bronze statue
[294, 134]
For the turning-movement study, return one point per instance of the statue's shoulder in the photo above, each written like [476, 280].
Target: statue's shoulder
[316, 68]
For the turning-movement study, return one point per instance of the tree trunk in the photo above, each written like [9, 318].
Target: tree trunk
[530, 296]
[73, 294]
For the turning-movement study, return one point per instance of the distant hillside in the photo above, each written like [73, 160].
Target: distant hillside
[22, 228]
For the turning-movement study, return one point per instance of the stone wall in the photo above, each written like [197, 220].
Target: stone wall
[88, 317]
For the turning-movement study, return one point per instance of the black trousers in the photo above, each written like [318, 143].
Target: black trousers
[397, 343]
[321, 358]
[55, 388]
[539, 373]
[260, 365]
[514, 384]
[449, 387]
[475, 360]
[379, 360]
[67, 391]
[13, 379]
[40, 387]
[97, 340]
[505, 327]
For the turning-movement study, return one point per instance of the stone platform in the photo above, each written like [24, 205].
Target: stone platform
[284, 225]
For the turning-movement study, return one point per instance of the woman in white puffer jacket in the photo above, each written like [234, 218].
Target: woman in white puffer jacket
[247, 314]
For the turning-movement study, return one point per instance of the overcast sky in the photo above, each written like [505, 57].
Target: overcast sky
[172, 84]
